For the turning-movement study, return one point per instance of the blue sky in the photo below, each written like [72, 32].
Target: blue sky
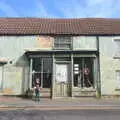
[60, 8]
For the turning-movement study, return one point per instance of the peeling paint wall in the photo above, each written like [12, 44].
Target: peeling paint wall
[16, 71]
[108, 66]
[45, 42]
[12, 48]
[84, 43]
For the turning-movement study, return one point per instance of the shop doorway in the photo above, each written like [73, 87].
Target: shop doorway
[62, 79]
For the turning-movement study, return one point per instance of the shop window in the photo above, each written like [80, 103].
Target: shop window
[62, 42]
[83, 72]
[42, 72]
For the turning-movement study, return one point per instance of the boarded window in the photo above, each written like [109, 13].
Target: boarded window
[118, 79]
[62, 43]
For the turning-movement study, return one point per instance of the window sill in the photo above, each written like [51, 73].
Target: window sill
[117, 89]
[61, 48]
[88, 89]
[91, 89]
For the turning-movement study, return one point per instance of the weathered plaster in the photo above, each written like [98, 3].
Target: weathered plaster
[44, 42]
[108, 66]
[17, 69]
[84, 43]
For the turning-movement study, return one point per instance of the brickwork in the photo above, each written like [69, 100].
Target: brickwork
[45, 42]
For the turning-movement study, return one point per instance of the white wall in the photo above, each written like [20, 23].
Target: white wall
[84, 43]
[108, 65]
[16, 74]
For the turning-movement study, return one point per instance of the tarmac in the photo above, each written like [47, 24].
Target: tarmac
[18, 103]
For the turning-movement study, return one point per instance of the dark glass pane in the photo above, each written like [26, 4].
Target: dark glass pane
[77, 72]
[36, 65]
[83, 72]
[36, 77]
[47, 78]
[88, 72]
[47, 72]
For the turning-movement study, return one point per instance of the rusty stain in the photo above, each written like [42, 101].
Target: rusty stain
[44, 42]
[8, 91]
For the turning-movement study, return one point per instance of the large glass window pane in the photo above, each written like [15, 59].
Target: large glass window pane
[36, 71]
[77, 72]
[83, 72]
[88, 72]
[42, 72]
[47, 72]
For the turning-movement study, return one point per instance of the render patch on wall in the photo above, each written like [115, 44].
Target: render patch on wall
[44, 42]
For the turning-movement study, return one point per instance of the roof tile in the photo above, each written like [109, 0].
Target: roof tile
[80, 26]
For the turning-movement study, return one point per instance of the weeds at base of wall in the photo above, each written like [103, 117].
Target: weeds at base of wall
[28, 94]
[98, 94]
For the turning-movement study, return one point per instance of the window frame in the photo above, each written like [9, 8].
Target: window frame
[117, 52]
[59, 43]
[83, 62]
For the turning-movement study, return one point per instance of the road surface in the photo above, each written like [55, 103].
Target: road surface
[60, 115]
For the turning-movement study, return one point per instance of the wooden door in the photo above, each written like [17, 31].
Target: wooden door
[61, 80]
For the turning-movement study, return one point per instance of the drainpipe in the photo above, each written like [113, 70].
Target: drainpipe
[71, 75]
[98, 91]
[53, 77]
[30, 75]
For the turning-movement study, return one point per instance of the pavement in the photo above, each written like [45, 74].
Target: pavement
[13, 103]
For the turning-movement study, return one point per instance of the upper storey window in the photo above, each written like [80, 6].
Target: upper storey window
[117, 47]
[62, 42]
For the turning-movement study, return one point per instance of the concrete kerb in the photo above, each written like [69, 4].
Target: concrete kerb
[61, 104]
[7, 108]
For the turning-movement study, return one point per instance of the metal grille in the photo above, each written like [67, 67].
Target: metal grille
[62, 43]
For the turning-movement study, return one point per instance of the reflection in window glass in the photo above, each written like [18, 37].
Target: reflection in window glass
[42, 72]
